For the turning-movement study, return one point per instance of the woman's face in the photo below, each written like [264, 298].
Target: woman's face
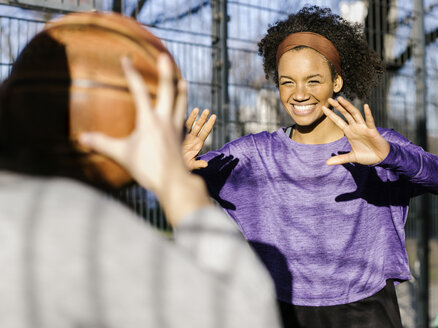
[305, 84]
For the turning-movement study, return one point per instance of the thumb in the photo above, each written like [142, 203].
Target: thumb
[340, 159]
[201, 164]
[197, 164]
[103, 144]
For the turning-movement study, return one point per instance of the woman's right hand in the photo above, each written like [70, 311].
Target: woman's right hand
[195, 137]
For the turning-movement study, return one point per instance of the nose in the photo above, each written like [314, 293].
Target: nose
[300, 93]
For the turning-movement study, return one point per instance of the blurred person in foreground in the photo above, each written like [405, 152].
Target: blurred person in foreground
[73, 257]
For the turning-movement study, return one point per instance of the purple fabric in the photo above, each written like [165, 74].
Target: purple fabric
[328, 235]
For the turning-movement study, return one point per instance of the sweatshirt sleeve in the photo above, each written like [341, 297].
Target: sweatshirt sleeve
[216, 245]
[411, 161]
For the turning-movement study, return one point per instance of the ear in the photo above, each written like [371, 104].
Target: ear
[338, 83]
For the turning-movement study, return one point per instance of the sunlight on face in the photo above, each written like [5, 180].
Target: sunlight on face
[305, 84]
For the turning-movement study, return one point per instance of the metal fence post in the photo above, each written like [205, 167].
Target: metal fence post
[422, 219]
[220, 97]
[118, 6]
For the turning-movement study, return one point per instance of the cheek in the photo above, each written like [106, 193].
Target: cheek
[323, 92]
[284, 93]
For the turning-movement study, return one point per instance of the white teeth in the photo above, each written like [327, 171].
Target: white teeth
[303, 108]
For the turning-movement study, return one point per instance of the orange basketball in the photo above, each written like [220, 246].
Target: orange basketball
[69, 79]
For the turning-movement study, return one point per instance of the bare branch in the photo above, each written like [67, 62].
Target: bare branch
[161, 18]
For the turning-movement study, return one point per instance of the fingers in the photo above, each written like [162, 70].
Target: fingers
[334, 117]
[139, 92]
[351, 113]
[166, 88]
[205, 132]
[369, 117]
[108, 146]
[180, 106]
[341, 110]
[341, 159]
[200, 122]
[191, 119]
[203, 127]
[351, 109]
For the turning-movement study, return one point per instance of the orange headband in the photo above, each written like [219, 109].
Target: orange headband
[312, 40]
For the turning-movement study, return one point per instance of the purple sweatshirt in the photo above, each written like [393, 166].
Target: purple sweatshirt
[328, 235]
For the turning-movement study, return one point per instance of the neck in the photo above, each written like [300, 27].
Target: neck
[321, 131]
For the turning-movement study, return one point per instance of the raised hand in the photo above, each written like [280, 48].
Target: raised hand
[368, 147]
[152, 152]
[195, 137]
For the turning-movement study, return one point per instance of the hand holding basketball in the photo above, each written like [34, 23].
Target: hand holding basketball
[152, 152]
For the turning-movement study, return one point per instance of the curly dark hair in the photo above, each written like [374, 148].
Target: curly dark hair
[361, 66]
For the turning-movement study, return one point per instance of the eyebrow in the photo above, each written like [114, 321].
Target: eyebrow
[307, 77]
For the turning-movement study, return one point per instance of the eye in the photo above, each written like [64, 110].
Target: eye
[314, 81]
[285, 82]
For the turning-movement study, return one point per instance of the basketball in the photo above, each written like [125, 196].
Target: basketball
[69, 79]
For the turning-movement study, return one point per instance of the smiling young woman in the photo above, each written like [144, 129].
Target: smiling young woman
[324, 201]
[306, 84]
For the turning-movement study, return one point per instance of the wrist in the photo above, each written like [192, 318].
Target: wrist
[184, 193]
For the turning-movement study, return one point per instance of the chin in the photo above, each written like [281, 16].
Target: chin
[308, 121]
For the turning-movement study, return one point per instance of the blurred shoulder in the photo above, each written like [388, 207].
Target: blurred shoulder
[58, 196]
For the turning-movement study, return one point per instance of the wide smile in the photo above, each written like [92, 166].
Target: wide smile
[303, 109]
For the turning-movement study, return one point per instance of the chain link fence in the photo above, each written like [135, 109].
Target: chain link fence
[226, 75]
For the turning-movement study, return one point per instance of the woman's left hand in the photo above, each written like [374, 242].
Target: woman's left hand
[368, 147]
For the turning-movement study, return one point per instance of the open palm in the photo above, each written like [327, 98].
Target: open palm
[195, 138]
[368, 147]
